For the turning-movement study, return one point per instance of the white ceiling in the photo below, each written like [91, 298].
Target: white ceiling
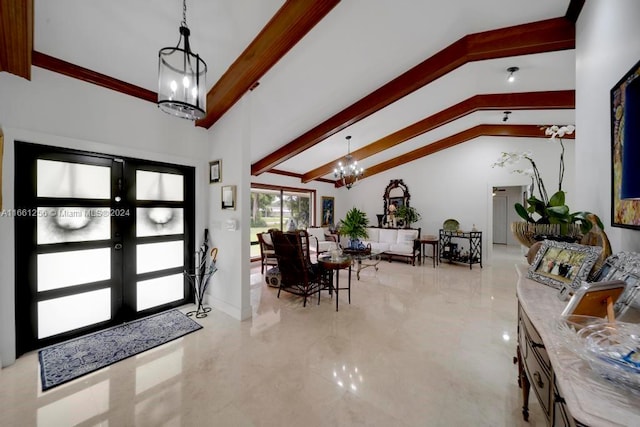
[359, 46]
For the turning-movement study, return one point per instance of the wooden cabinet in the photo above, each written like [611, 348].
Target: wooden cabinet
[569, 392]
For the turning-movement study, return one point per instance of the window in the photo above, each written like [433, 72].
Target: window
[282, 208]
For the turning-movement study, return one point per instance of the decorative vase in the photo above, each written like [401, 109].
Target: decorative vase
[528, 233]
[380, 218]
[354, 243]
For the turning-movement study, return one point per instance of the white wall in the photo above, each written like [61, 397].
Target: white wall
[607, 46]
[55, 110]
[457, 183]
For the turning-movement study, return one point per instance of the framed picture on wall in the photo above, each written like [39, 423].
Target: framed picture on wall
[327, 211]
[215, 171]
[625, 138]
[229, 197]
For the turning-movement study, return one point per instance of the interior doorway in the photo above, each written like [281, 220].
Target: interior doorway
[504, 198]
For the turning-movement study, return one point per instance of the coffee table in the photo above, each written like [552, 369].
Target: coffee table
[363, 258]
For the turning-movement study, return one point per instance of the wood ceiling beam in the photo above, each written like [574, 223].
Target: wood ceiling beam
[522, 131]
[574, 9]
[16, 37]
[537, 37]
[287, 27]
[77, 72]
[548, 100]
[297, 175]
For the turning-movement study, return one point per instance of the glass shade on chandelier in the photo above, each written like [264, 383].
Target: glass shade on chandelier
[182, 78]
[350, 172]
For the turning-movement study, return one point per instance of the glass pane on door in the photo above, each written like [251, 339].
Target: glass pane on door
[63, 269]
[159, 186]
[159, 256]
[159, 221]
[71, 312]
[72, 224]
[159, 291]
[73, 180]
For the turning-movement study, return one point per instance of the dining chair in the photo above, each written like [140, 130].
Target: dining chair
[267, 253]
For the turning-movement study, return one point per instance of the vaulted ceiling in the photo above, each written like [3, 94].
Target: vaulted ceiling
[404, 78]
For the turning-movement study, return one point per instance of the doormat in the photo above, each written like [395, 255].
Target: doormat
[71, 359]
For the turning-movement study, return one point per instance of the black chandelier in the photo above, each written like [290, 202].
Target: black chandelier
[349, 173]
[182, 78]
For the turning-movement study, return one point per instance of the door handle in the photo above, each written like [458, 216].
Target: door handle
[118, 246]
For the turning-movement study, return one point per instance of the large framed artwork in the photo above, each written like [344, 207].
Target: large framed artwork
[327, 211]
[625, 131]
[1, 151]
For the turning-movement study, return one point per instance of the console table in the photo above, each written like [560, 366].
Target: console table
[569, 392]
[449, 250]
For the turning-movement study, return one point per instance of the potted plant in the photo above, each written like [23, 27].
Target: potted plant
[547, 215]
[408, 215]
[354, 225]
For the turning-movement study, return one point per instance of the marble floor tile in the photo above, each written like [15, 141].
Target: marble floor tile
[417, 346]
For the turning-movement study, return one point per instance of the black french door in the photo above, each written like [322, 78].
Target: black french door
[99, 240]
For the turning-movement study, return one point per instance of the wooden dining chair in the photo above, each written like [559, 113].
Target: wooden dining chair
[267, 253]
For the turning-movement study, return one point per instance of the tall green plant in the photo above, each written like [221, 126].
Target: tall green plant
[354, 224]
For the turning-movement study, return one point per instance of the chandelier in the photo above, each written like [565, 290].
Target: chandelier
[182, 78]
[349, 173]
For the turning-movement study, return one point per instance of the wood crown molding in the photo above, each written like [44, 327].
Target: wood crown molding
[16, 37]
[536, 37]
[522, 131]
[287, 27]
[77, 72]
[549, 100]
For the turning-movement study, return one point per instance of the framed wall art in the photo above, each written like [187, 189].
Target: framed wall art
[625, 138]
[327, 211]
[560, 263]
[229, 197]
[215, 171]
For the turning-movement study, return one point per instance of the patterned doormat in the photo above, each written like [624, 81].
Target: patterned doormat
[71, 359]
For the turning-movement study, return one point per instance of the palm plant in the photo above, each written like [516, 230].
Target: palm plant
[354, 224]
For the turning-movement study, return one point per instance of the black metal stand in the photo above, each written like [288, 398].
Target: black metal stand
[199, 284]
[200, 279]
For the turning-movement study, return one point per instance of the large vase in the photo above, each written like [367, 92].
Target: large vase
[528, 233]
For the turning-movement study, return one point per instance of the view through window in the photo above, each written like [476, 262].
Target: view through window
[279, 208]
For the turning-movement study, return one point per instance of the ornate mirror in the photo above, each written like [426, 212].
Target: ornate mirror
[396, 194]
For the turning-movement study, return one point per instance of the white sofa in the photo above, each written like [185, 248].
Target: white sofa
[321, 240]
[395, 242]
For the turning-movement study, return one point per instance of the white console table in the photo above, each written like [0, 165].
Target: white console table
[569, 392]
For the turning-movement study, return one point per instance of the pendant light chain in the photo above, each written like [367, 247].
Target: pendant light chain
[184, 13]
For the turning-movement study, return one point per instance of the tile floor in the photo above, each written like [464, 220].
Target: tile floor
[418, 346]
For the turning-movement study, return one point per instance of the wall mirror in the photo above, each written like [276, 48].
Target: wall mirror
[396, 194]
